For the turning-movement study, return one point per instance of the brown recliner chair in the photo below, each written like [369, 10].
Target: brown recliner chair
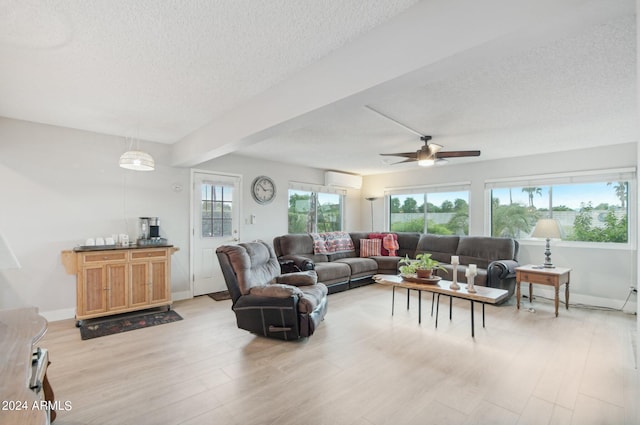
[285, 306]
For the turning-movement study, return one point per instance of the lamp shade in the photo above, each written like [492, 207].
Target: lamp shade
[137, 160]
[547, 228]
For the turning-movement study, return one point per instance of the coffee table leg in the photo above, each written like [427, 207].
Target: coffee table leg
[419, 306]
[408, 290]
[393, 299]
[483, 315]
[437, 310]
[433, 298]
[473, 332]
[566, 294]
[450, 307]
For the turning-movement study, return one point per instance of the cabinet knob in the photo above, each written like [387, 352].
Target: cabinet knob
[105, 258]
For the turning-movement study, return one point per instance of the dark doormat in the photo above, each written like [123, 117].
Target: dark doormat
[220, 296]
[95, 328]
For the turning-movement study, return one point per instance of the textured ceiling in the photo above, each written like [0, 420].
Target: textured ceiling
[161, 69]
[551, 76]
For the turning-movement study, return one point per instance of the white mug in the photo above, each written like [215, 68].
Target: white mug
[124, 239]
[109, 241]
[90, 242]
[99, 241]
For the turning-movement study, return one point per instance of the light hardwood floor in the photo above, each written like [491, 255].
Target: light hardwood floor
[361, 367]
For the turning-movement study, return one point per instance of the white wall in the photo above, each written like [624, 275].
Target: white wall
[600, 275]
[60, 186]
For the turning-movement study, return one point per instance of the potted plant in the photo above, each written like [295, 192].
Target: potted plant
[422, 266]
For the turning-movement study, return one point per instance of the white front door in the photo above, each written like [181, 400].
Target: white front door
[216, 220]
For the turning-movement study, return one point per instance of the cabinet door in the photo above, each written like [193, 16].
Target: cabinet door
[159, 281]
[93, 291]
[140, 281]
[117, 291]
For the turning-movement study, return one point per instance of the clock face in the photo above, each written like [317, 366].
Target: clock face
[263, 190]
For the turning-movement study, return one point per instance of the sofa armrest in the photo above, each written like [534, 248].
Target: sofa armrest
[502, 269]
[301, 261]
[276, 290]
[305, 278]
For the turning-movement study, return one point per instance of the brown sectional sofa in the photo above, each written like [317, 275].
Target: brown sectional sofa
[496, 258]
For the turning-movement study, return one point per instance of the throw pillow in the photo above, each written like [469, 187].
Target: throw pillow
[370, 247]
[384, 251]
[390, 243]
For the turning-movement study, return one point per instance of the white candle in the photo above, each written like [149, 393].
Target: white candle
[473, 268]
[455, 259]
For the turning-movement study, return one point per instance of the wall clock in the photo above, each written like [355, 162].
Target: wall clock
[263, 190]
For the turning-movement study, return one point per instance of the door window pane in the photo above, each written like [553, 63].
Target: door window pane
[216, 210]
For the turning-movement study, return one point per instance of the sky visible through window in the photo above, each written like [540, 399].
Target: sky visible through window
[571, 196]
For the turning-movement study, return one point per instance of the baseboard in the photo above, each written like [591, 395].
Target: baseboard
[56, 315]
[70, 313]
[182, 295]
[586, 300]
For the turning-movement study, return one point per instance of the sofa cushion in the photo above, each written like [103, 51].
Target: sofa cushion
[370, 247]
[333, 272]
[440, 247]
[387, 265]
[360, 266]
[482, 250]
[408, 241]
[294, 244]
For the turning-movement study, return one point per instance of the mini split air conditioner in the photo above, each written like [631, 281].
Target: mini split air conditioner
[350, 181]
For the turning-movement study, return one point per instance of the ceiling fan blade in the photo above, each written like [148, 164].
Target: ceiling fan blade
[403, 154]
[457, 154]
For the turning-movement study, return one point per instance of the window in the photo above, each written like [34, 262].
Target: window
[314, 210]
[446, 211]
[591, 208]
[216, 208]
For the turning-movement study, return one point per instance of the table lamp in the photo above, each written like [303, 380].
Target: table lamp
[547, 228]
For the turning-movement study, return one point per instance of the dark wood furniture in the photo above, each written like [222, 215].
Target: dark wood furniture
[555, 277]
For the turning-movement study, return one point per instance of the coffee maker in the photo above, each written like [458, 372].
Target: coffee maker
[149, 232]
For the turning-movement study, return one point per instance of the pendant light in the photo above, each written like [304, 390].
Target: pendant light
[137, 160]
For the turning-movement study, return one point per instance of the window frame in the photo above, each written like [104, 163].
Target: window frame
[578, 177]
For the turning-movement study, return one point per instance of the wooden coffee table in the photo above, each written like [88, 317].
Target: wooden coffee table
[483, 295]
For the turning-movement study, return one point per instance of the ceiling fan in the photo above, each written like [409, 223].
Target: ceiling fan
[427, 155]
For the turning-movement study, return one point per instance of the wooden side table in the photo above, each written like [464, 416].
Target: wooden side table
[544, 276]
